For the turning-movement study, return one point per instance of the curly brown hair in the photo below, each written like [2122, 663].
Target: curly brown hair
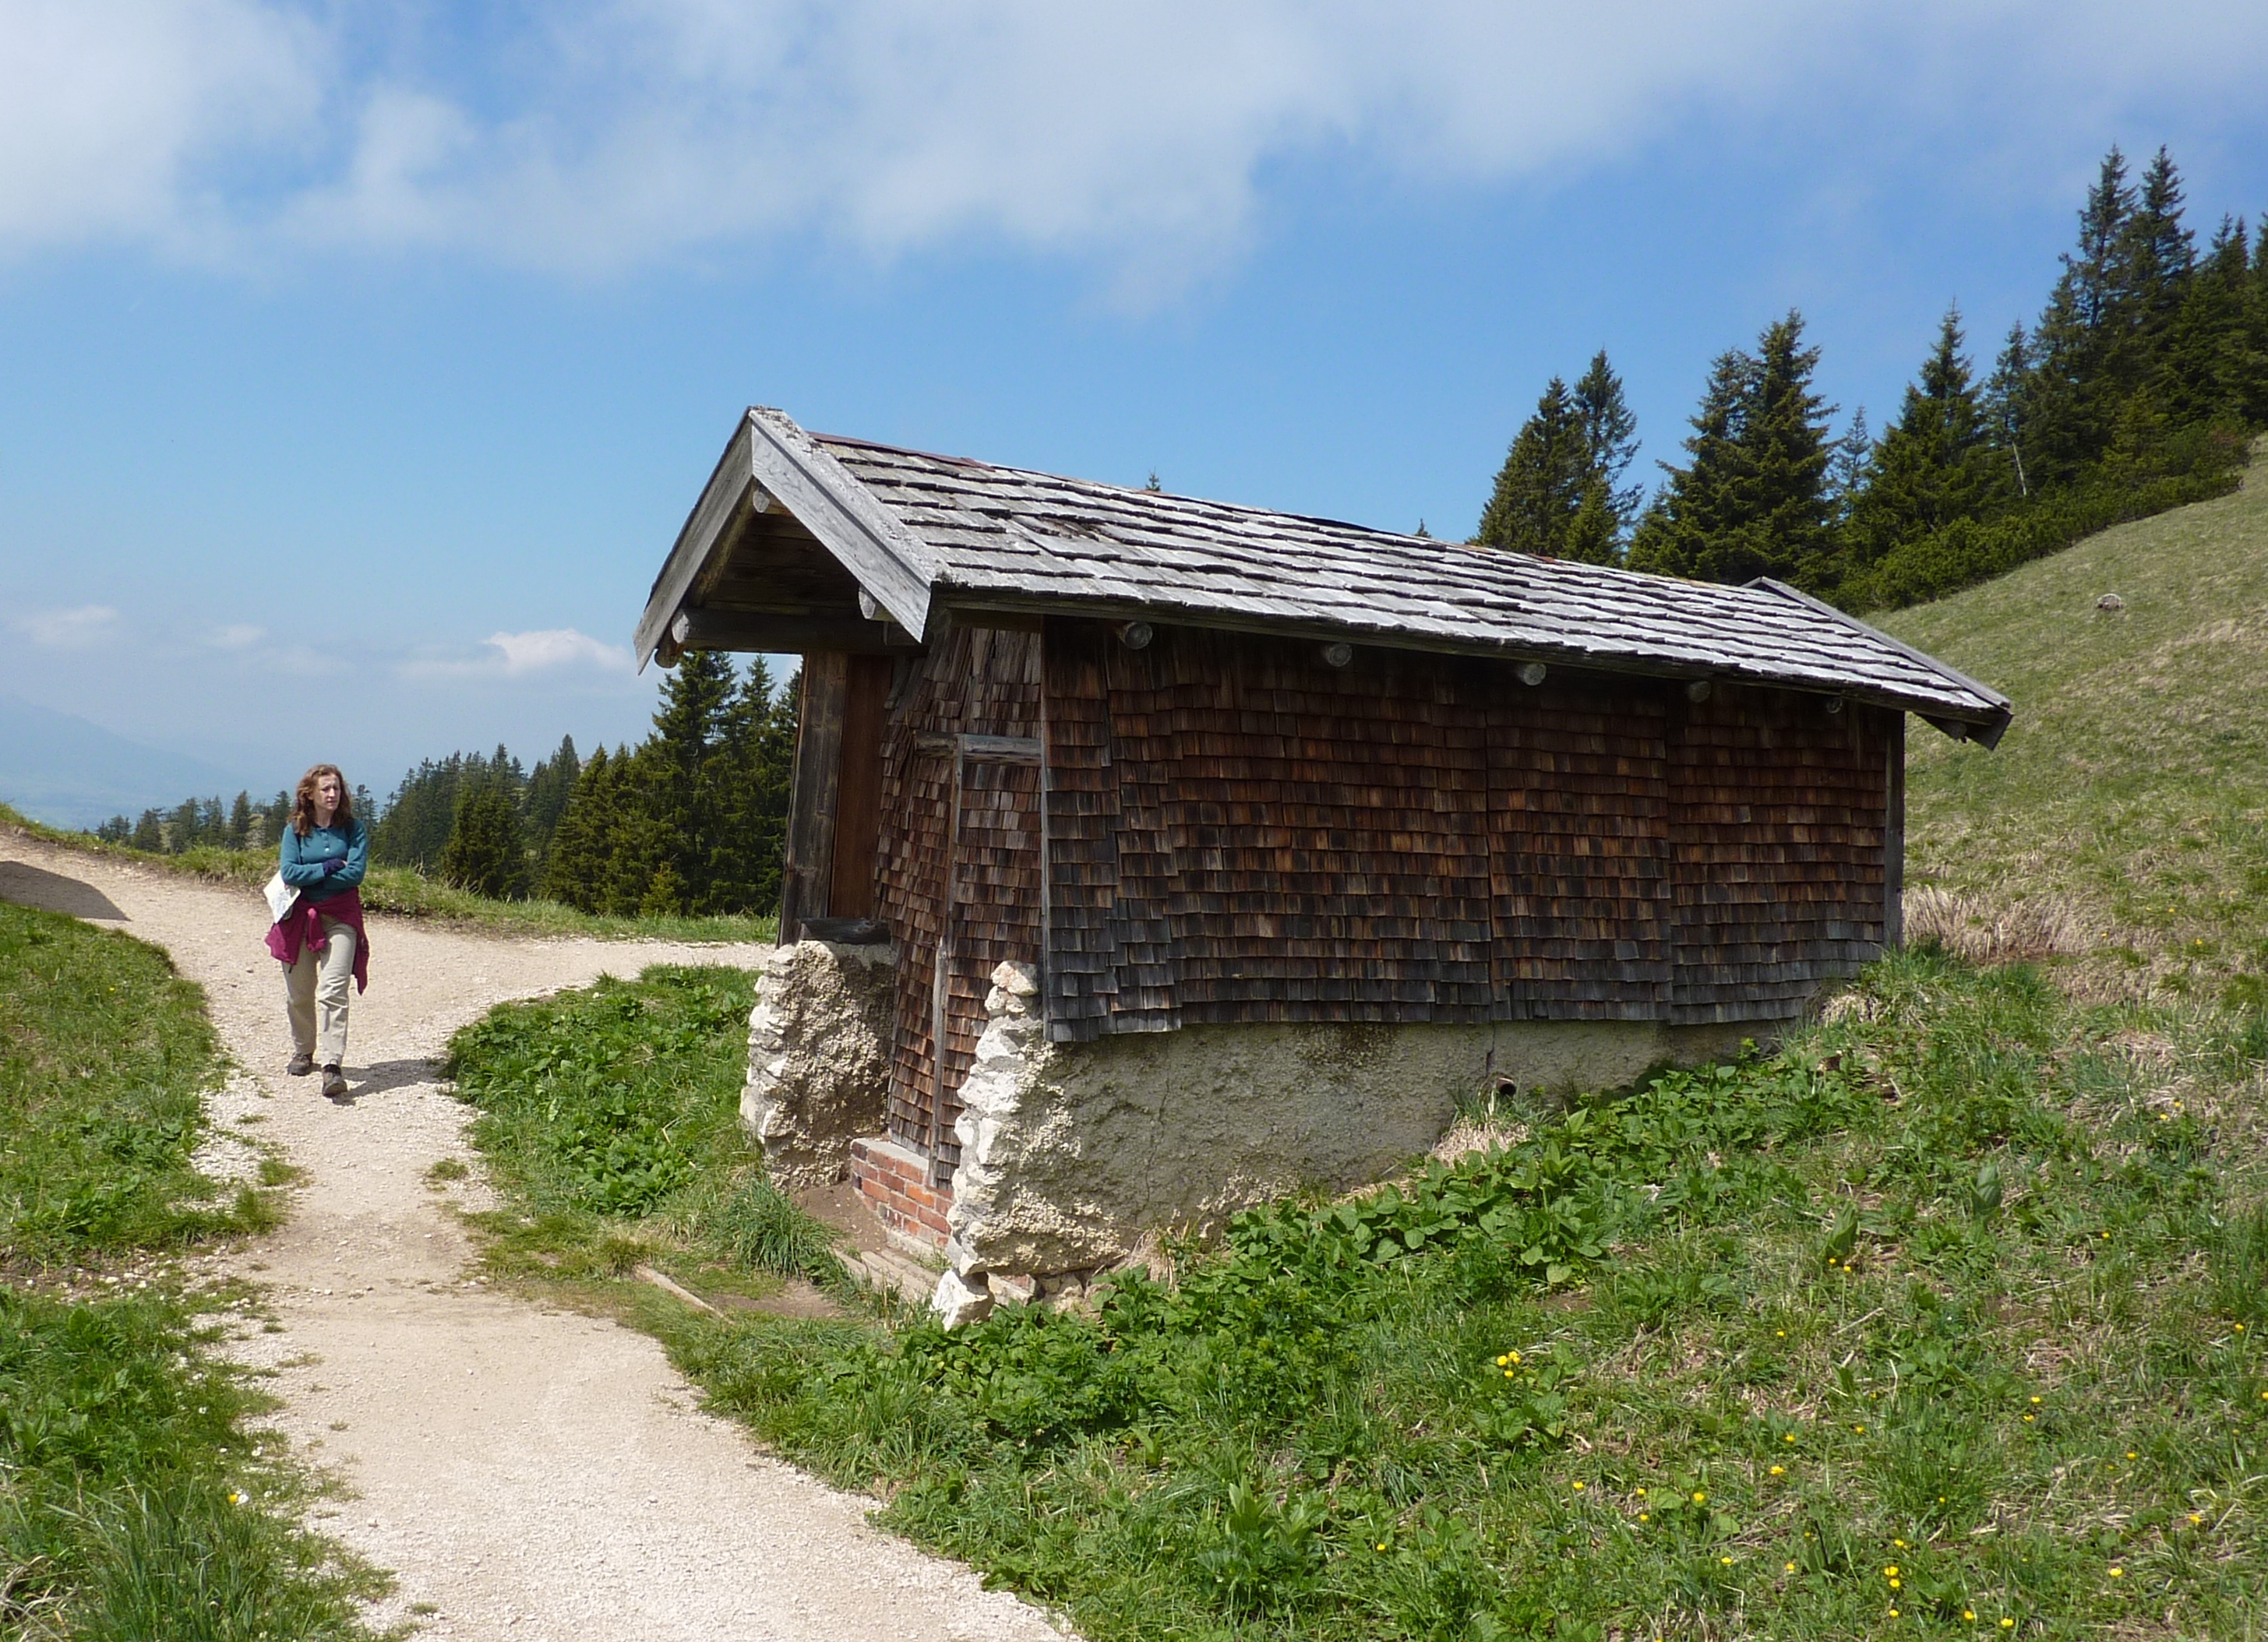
[303, 802]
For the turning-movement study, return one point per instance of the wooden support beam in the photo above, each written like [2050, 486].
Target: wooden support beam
[858, 793]
[807, 876]
[788, 635]
[1894, 839]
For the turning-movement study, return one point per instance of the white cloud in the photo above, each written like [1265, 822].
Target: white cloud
[79, 627]
[607, 134]
[114, 113]
[236, 636]
[557, 647]
[520, 655]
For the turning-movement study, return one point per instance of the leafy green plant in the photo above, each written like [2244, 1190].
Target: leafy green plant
[610, 1118]
[1266, 1553]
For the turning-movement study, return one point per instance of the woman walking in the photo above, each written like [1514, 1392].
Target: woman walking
[320, 940]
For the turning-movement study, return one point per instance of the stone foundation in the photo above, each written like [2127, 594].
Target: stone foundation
[1072, 1153]
[819, 1051]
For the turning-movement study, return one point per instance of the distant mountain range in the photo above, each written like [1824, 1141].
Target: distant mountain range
[67, 772]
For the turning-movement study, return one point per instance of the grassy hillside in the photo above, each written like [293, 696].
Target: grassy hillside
[2131, 792]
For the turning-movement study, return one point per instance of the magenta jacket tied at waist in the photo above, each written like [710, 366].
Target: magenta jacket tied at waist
[303, 926]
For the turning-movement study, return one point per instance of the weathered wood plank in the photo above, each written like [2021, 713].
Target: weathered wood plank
[808, 875]
[859, 792]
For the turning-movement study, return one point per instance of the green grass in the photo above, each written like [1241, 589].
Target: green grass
[610, 1118]
[104, 1051]
[134, 1500]
[1857, 1260]
[2133, 788]
[408, 893]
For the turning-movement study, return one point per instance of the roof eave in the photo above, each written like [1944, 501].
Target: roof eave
[963, 602]
[1990, 724]
[730, 487]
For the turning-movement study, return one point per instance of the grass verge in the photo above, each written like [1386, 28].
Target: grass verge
[408, 893]
[1942, 1322]
[134, 1500]
[2127, 807]
[610, 1118]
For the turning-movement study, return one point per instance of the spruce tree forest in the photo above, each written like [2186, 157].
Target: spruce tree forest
[2138, 388]
[691, 820]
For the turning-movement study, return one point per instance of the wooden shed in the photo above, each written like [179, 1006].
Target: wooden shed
[1190, 767]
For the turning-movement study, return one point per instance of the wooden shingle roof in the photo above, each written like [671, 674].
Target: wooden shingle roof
[922, 532]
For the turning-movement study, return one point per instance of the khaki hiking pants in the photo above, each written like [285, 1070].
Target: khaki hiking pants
[317, 985]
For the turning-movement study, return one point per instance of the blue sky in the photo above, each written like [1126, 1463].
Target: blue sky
[360, 363]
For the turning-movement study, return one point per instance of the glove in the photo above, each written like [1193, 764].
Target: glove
[336, 864]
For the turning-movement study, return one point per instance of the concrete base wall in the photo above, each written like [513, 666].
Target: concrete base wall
[818, 1049]
[1072, 1153]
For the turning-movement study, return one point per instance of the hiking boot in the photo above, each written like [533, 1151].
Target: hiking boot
[300, 1065]
[335, 1082]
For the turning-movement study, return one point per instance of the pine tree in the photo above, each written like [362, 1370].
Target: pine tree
[641, 838]
[2006, 417]
[1696, 508]
[1754, 502]
[575, 870]
[2256, 309]
[1539, 487]
[418, 818]
[1931, 467]
[1611, 430]
[240, 822]
[2206, 364]
[750, 781]
[2161, 255]
[549, 785]
[1557, 494]
[485, 853]
[149, 832]
[1851, 468]
[677, 775]
[2083, 355]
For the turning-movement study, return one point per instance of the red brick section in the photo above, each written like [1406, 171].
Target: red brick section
[892, 1181]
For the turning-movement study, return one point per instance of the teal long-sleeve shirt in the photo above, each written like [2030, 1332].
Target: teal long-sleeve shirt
[301, 859]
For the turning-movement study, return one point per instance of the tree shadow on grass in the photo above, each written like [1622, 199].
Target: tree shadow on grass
[29, 886]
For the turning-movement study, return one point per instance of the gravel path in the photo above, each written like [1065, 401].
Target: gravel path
[527, 1473]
